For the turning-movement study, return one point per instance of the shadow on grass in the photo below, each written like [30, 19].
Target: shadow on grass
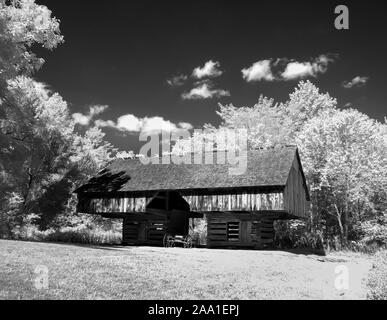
[80, 245]
[304, 251]
[296, 251]
[120, 247]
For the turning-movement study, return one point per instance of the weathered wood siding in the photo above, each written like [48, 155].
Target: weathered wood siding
[236, 202]
[295, 202]
[143, 232]
[201, 203]
[239, 230]
[113, 205]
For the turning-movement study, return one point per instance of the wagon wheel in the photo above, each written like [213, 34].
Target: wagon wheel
[168, 241]
[188, 243]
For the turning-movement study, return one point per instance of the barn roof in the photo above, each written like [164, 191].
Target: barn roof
[265, 168]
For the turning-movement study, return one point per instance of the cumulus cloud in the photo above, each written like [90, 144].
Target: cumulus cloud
[133, 124]
[298, 70]
[81, 119]
[85, 119]
[97, 109]
[260, 70]
[177, 81]
[283, 69]
[355, 82]
[204, 90]
[210, 70]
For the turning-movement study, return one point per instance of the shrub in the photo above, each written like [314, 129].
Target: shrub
[295, 234]
[84, 234]
[375, 232]
[199, 231]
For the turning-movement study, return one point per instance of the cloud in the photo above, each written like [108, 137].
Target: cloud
[299, 70]
[210, 70]
[355, 82]
[156, 124]
[185, 125]
[204, 90]
[260, 70]
[131, 123]
[104, 123]
[283, 69]
[85, 119]
[81, 119]
[296, 70]
[177, 81]
[97, 109]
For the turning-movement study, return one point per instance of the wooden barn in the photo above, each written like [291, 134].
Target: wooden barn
[156, 199]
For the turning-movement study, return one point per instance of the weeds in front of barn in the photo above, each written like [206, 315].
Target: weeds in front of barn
[79, 234]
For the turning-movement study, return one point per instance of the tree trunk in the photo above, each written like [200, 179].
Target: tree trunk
[338, 214]
[345, 227]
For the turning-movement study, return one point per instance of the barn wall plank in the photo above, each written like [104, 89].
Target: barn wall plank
[236, 202]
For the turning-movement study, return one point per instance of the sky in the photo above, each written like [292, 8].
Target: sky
[131, 66]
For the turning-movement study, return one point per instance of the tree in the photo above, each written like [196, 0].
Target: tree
[36, 144]
[305, 103]
[344, 156]
[23, 24]
[265, 122]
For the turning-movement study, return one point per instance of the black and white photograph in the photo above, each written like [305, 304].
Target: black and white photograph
[205, 152]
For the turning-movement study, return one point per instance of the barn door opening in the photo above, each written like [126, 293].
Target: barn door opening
[178, 223]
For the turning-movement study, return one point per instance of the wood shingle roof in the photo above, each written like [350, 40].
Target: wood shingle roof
[265, 168]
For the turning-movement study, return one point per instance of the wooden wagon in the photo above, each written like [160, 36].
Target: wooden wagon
[177, 232]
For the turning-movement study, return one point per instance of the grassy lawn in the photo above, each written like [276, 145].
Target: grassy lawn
[115, 272]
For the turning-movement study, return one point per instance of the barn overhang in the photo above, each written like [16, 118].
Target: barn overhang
[196, 202]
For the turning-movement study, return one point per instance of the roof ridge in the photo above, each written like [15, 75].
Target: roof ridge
[213, 151]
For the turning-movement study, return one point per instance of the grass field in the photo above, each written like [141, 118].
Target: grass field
[115, 272]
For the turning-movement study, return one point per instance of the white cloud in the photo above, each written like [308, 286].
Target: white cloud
[355, 82]
[260, 70]
[210, 69]
[81, 119]
[204, 91]
[285, 69]
[177, 81]
[298, 70]
[185, 125]
[322, 61]
[295, 70]
[104, 123]
[131, 123]
[97, 109]
[85, 119]
[156, 124]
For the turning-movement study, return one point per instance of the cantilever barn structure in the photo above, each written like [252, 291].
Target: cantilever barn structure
[239, 209]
